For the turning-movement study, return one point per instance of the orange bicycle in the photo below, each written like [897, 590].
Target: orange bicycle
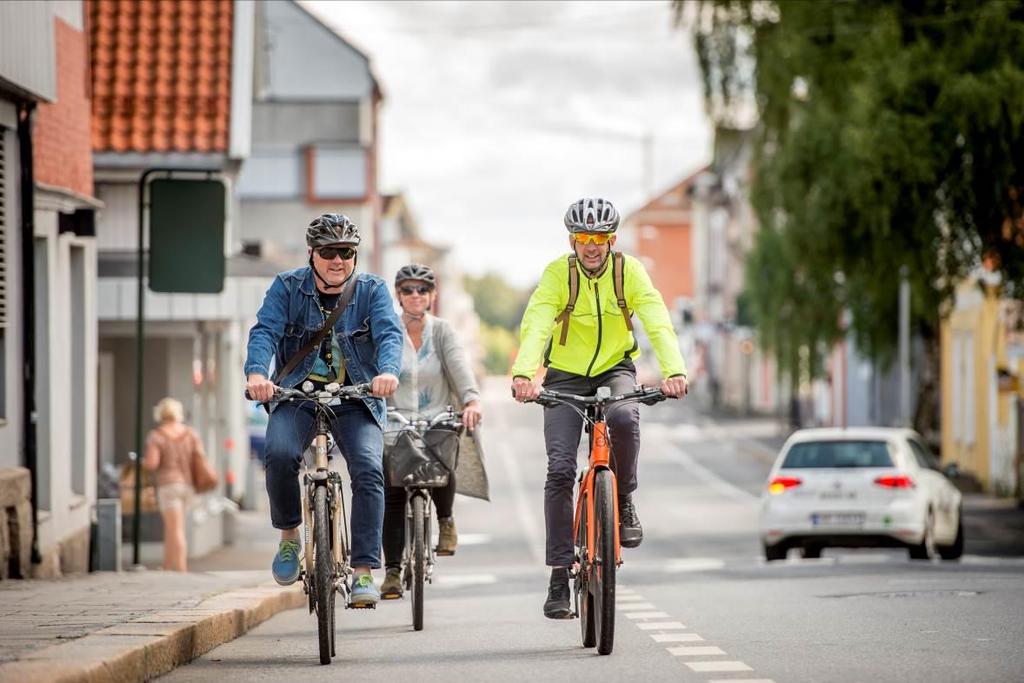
[596, 523]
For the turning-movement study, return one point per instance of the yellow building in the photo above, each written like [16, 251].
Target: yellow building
[980, 391]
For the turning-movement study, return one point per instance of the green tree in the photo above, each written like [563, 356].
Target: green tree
[499, 346]
[890, 135]
[496, 301]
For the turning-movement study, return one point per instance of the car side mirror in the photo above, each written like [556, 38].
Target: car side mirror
[952, 470]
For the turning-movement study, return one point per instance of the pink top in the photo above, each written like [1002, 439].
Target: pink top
[172, 455]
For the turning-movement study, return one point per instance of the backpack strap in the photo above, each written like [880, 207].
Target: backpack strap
[343, 302]
[574, 291]
[618, 277]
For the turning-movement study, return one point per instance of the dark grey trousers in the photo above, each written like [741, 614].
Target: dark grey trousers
[563, 428]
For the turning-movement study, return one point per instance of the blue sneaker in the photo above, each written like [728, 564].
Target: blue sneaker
[286, 563]
[364, 592]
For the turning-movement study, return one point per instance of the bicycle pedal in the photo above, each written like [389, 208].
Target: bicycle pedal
[364, 606]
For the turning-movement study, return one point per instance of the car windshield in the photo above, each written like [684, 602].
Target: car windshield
[838, 454]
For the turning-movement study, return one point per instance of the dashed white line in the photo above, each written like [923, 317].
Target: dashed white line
[718, 666]
[647, 615]
[741, 680]
[695, 650]
[676, 637]
[661, 626]
[710, 478]
[634, 606]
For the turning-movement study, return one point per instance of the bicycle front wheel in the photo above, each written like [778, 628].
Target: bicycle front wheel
[602, 585]
[419, 560]
[323, 581]
[581, 585]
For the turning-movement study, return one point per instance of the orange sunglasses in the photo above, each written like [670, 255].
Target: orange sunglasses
[592, 237]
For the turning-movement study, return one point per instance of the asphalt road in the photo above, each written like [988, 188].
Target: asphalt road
[696, 601]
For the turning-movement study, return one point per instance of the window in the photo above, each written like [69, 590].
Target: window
[336, 172]
[838, 454]
[923, 456]
[270, 174]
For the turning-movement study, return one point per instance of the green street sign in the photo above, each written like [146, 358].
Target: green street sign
[186, 235]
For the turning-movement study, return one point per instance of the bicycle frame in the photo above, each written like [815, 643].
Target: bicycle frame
[600, 452]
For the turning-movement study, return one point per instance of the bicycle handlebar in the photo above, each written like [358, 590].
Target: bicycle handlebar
[646, 395]
[329, 392]
[450, 416]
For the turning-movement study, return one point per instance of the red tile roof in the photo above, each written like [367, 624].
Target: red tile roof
[161, 75]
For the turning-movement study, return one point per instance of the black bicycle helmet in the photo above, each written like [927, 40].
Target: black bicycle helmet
[332, 229]
[591, 214]
[415, 271]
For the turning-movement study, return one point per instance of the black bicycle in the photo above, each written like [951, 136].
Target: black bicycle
[438, 433]
[326, 563]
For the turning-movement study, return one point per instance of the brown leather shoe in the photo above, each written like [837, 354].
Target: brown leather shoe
[392, 589]
[447, 538]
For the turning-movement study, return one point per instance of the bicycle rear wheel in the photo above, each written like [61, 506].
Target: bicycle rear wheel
[602, 584]
[581, 586]
[323, 581]
[419, 560]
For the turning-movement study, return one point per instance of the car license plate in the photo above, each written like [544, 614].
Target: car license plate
[837, 519]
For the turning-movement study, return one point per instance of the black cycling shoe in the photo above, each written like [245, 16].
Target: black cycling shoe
[631, 534]
[557, 604]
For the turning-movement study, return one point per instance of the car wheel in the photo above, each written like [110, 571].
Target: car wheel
[811, 552]
[953, 552]
[775, 552]
[926, 548]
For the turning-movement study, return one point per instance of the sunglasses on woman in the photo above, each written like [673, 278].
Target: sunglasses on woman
[328, 253]
[592, 237]
[418, 289]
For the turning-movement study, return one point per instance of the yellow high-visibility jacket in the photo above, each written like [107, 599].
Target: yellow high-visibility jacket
[598, 338]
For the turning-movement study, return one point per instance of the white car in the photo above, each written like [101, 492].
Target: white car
[859, 487]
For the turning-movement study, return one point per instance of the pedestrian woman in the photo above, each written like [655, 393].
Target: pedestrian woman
[170, 448]
[435, 374]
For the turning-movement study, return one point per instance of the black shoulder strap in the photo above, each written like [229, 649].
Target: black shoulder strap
[618, 277]
[574, 292]
[343, 302]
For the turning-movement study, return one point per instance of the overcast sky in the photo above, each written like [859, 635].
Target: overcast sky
[497, 115]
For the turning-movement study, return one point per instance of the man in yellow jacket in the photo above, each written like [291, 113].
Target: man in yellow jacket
[593, 347]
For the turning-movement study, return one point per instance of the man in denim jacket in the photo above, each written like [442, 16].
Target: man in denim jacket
[365, 345]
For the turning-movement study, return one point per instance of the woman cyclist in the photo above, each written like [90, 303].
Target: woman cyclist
[435, 374]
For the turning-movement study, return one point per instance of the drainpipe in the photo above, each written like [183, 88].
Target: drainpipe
[28, 296]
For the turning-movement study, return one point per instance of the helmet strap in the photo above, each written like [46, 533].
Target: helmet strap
[326, 284]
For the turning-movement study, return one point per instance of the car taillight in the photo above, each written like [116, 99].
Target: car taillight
[780, 484]
[896, 481]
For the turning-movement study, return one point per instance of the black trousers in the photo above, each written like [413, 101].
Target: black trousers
[394, 517]
[563, 428]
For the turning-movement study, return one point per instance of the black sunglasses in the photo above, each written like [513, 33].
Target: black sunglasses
[328, 253]
[419, 289]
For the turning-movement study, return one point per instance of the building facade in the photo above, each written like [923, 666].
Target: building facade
[47, 291]
[315, 103]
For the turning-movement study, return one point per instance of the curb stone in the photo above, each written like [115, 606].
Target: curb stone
[156, 643]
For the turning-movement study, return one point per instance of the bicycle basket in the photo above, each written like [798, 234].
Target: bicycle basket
[409, 463]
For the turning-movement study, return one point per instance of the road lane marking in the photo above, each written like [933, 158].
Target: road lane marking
[474, 539]
[692, 564]
[661, 626]
[695, 650]
[647, 615]
[741, 680]
[634, 606]
[705, 667]
[676, 637]
[527, 518]
[710, 478]
[626, 598]
[455, 580]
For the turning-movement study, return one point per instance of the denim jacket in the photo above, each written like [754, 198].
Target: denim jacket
[368, 331]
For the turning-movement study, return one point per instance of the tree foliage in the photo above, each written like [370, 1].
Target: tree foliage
[890, 135]
[498, 303]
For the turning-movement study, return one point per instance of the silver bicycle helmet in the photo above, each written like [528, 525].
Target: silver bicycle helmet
[332, 229]
[591, 214]
[415, 271]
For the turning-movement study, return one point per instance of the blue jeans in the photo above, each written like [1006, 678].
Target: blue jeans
[360, 439]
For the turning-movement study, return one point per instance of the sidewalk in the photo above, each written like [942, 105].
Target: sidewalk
[135, 626]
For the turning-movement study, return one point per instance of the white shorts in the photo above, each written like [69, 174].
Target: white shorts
[174, 497]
